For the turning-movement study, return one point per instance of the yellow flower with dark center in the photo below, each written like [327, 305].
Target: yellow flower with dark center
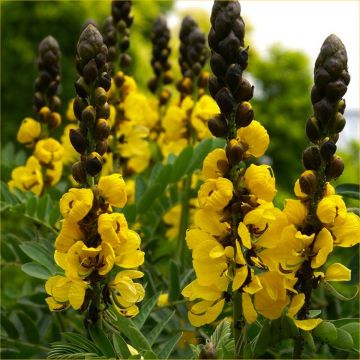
[70, 233]
[204, 109]
[331, 210]
[54, 172]
[128, 255]
[295, 212]
[260, 181]
[48, 151]
[28, 177]
[113, 228]
[80, 260]
[113, 189]
[76, 203]
[126, 293]
[215, 194]
[65, 292]
[348, 233]
[255, 139]
[29, 131]
[215, 164]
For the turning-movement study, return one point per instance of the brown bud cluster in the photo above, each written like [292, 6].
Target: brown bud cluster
[90, 106]
[229, 58]
[331, 78]
[48, 81]
[193, 54]
[161, 66]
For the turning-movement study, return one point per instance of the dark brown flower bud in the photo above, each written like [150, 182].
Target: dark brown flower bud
[312, 130]
[102, 129]
[103, 111]
[104, 81]
[125, 60]
[233, 76]
[244, 114]
[38, 101]
[119, 79]
[79, 105]
[333, 66]
[225, 100]
[77, 140]
[90, 71]
[321, 77]
[223, 166]
[335, 168]
[308, 182]
[327, 150]
[186, 85]
[203, 80]
[335, 90]
[341, 106]
[93, 164]
[54, 103]
[311, 158]
[244, 92]
[218, 126]
[339, 123]
[88, 115]
[100, 96]
[44, 114]
[90, 43]
[164, 96]
[102, 147]
[218, 64]
[153, 84]
[78, 172]
[323, 111]
[345, 76]
[81, 87]
[54, 120]
[214, 85]
[236, 152]
[168, 77]
[316, 94]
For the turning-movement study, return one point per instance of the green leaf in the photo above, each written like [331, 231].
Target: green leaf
[156, 170]
[174, 281]
[81, 341]
[168, 347]
[149, 197]
[341, 322]
[325, 331]
[36, 270]
[54, 215]
[353, 330]
[262, 341]
[221, 334]
[149, 355]
[200, 152]
[145, 311]
[36, 252]
[181, 164]
[343, 341]
[314, 313]
[100, 339]
[140, 187]
[130, 213]
[44, 206]
[354, 210]
[309, 340]
[120, 346]
[31, 205]
[137, 339]
[335, 293]
[156, 331]
[349, 190]
[9, 327]
[30, 329]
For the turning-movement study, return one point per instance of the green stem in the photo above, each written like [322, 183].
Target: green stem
[184, 219]
[238, 325]
[298, 347]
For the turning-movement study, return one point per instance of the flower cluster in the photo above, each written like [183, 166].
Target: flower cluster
[44, 167]
[93, 236]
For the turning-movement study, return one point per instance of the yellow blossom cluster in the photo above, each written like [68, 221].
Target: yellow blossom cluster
[94, 238]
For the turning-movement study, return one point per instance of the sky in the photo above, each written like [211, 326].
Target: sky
[302, 25]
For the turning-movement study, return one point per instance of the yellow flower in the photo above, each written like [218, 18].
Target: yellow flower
[70, 154]
[163, 300]
[130, 191]
[215, 164]
[215, 194]
[70, 233]
[54, 172]
[195, 291]
[255, 139]
[112, 228]
[113, 189]
[29, 131]
[128, 86]
[204, 109]
[64, 292]
[28, 177]
[331, 210]
[322, 247]
[126, 293]
[205, 312]
[260, 181]
[108, 165]
[348, 233]
[76, 203]
[174, 123]
[249, 311]
[48, 150]
[70, 111]
[172, 219]
[211, 222]
[337, 272]
[295, 211]
[128, 255]
[171, 147]
[81, 261]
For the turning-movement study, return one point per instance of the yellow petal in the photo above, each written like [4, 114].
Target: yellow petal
[308, 324]
[296, 304]
[254, 286]
[56, 306]
[244, 234]
[337, 272]
[248, 309]
[323, 246]
[77, 294]
[240, 277]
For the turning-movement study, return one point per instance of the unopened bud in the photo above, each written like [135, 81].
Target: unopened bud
[81, 87]
[153, 84]
[244, 114]
[236, 152]
[54, 120]
[55, 103]
[44, 114]
[214, 85]
[327, 150]
[335, 90]
[308, 182]
[78, 172]
[339, 123]
[203, 80]
[79, 105]
[208, 351]
[90, 71]
[103, 111]
[335, 168]
[311, 158]
[186, 85]
[164, 96]
[104, 81]
[102, 146]
[102, 129]
[312, 130]
[218, 126]
[93, 164]
[244, 92]
[233, 76]
[119, 79]
[168, 77]
[225, 100]
[77, 140]
[88, 115]
[125, 60]
[218, 64]
[341, 106]
[100, 96]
